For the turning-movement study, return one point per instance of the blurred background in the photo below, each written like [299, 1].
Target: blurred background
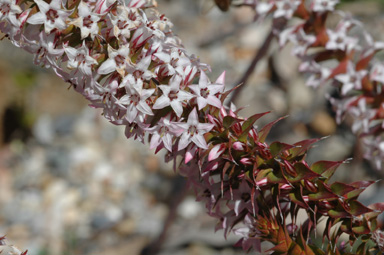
[72, 184]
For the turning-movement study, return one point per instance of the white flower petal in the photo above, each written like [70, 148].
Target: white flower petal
[38, 18]
[161, 102]
[177, 107]
[214, 101]
[107, 67]
[201, 102]
[199, 141]
[184, 141]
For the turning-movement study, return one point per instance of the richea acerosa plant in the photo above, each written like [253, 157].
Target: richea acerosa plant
[124, 58]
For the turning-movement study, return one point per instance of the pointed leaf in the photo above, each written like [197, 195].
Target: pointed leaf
[361, 230]
[324, 192]
[228, 121]
[361, 186]
[340, 188]
[302, 147]
[248, 124]
[356, 208]
[303, 173]
[377, 208]
[326, 168]
[277, 148]
[297, 198]
[263, 133]
[338, 214]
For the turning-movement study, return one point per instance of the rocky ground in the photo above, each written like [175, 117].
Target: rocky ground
[71, 183]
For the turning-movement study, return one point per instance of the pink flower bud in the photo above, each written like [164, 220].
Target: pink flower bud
[246, 161]
[216, 152]
[238, 146]
[262, 182]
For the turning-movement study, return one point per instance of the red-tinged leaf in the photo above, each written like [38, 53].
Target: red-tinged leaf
[377, 209]
[228, 121]
[340, 188]
[324, 192]
[226, 93]
[341, 68]
[261, 174]
[263, 133]
[284, 240]
[303, 173]
[326, 168]
[356, 208]
[248, 124]
[303, 244]
[297, 198]
[363, 63]
[339, 214]
[24, 253]
[302, 147]
[275, 177]
[277, 148]
[360, 187]
[339, 211]
[296, 249]
[361, 230]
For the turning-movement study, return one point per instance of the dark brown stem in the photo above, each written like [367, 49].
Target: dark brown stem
[262, 51]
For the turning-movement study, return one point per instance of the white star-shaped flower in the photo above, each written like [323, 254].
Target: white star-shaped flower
[135, 98]
[324, 5]
[52, 15]
[117, 61]
[206, 93]
[194, 132]
[173, 96]
[87, 21]
[351, 79]
[8, 11]
[286, 8]
[80, 58]
[163, 132]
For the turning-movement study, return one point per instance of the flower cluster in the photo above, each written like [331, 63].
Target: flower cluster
[13, 250]
[338, 56]
[124, 58]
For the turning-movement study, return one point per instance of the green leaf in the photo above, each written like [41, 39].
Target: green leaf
[297, 198]
[361, 186]
[277, 148]
[324, 192]
[356, 208]
[377, 208]
[303, 173]
[248, 124]
[302, 147]
[326, 168]
[339, 211]
[361, 230]
[275, 178]
[338, 214]
[228, 121]
[340, 188]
